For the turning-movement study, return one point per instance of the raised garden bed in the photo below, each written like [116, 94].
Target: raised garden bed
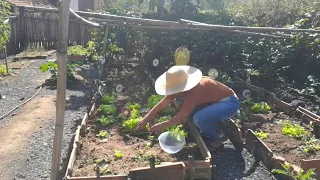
[277, 133]
[106, 144]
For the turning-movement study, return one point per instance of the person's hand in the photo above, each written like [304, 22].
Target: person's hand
[141, 124]
[156, 128]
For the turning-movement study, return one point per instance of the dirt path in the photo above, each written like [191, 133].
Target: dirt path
[14, 135]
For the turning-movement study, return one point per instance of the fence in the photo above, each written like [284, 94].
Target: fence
[40, 29]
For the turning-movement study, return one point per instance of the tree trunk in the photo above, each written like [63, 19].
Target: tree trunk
[151, 5]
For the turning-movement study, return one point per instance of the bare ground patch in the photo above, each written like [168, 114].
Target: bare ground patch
[14, 135]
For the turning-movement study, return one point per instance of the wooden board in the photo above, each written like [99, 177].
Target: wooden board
[258, 148]
[198, 139]
[114, 177]
[173, 171]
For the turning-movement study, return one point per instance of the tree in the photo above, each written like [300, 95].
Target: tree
[4, 26]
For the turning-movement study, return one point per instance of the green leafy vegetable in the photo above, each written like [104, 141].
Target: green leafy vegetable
[260, 108]
[311, 146]
[293, 130]
[118, 154]
[102, 134]
[261, 134]
[3, 70]
[107, 109]
[131, 124]
[106, 120]
[108, 100]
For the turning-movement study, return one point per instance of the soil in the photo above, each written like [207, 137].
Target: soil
[282, 145]
[135, 152]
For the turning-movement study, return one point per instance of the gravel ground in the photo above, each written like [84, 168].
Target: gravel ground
[233, 165]
[35, 163]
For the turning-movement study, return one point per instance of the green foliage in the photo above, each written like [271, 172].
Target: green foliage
[260, 108]
[261, 134]
[118, 154]
[247, 102]
[130, 124]
[107, 109]
[135, 110]
[293, 130]
[4, 27]
[102, 134]
[108, 99]
[154, 100]
[311, 146]
[3, 70]
[288, 171]
[77, 50]
[53, 68]
[106, 120]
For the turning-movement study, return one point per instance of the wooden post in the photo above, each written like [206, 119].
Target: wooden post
[61, 87]
[22, 30]
[5, 58]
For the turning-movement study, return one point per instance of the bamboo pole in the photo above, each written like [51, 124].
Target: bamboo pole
[165, 28]
[61, 87]
[284, 36]
[257, 29]
[153, 22]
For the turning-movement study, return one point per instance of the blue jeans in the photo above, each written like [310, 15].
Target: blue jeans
[206, 116]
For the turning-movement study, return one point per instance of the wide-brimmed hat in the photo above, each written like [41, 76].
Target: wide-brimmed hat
[178, 79]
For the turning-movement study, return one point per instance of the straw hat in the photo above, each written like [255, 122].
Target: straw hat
[178, 79]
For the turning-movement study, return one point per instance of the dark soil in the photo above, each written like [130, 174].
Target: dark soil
[282, 145]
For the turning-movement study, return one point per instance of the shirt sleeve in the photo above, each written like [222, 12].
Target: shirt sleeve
[188, 105]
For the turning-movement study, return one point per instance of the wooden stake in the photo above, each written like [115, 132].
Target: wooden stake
[61, 87]
[5, 58]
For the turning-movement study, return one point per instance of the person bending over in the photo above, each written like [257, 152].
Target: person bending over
[206, 100]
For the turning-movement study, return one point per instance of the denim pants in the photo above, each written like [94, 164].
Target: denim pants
[206, 116]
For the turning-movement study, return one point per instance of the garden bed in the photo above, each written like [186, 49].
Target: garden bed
[108, 139]
[278, 133]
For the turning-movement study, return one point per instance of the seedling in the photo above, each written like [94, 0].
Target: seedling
[247, 102]
[118, 154]
[105, 160]
[260, 108]
[172, 128]
[107, 109]
[261, 134]
[104, 170]
[311, 146]
[106, 120]
[102, 134]
[293, 130]
[288, 171]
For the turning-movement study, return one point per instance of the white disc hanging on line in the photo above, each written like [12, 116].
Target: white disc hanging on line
[155, 62]
[102, 60]
[246, 93]
[213, 73]
[119, 88]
